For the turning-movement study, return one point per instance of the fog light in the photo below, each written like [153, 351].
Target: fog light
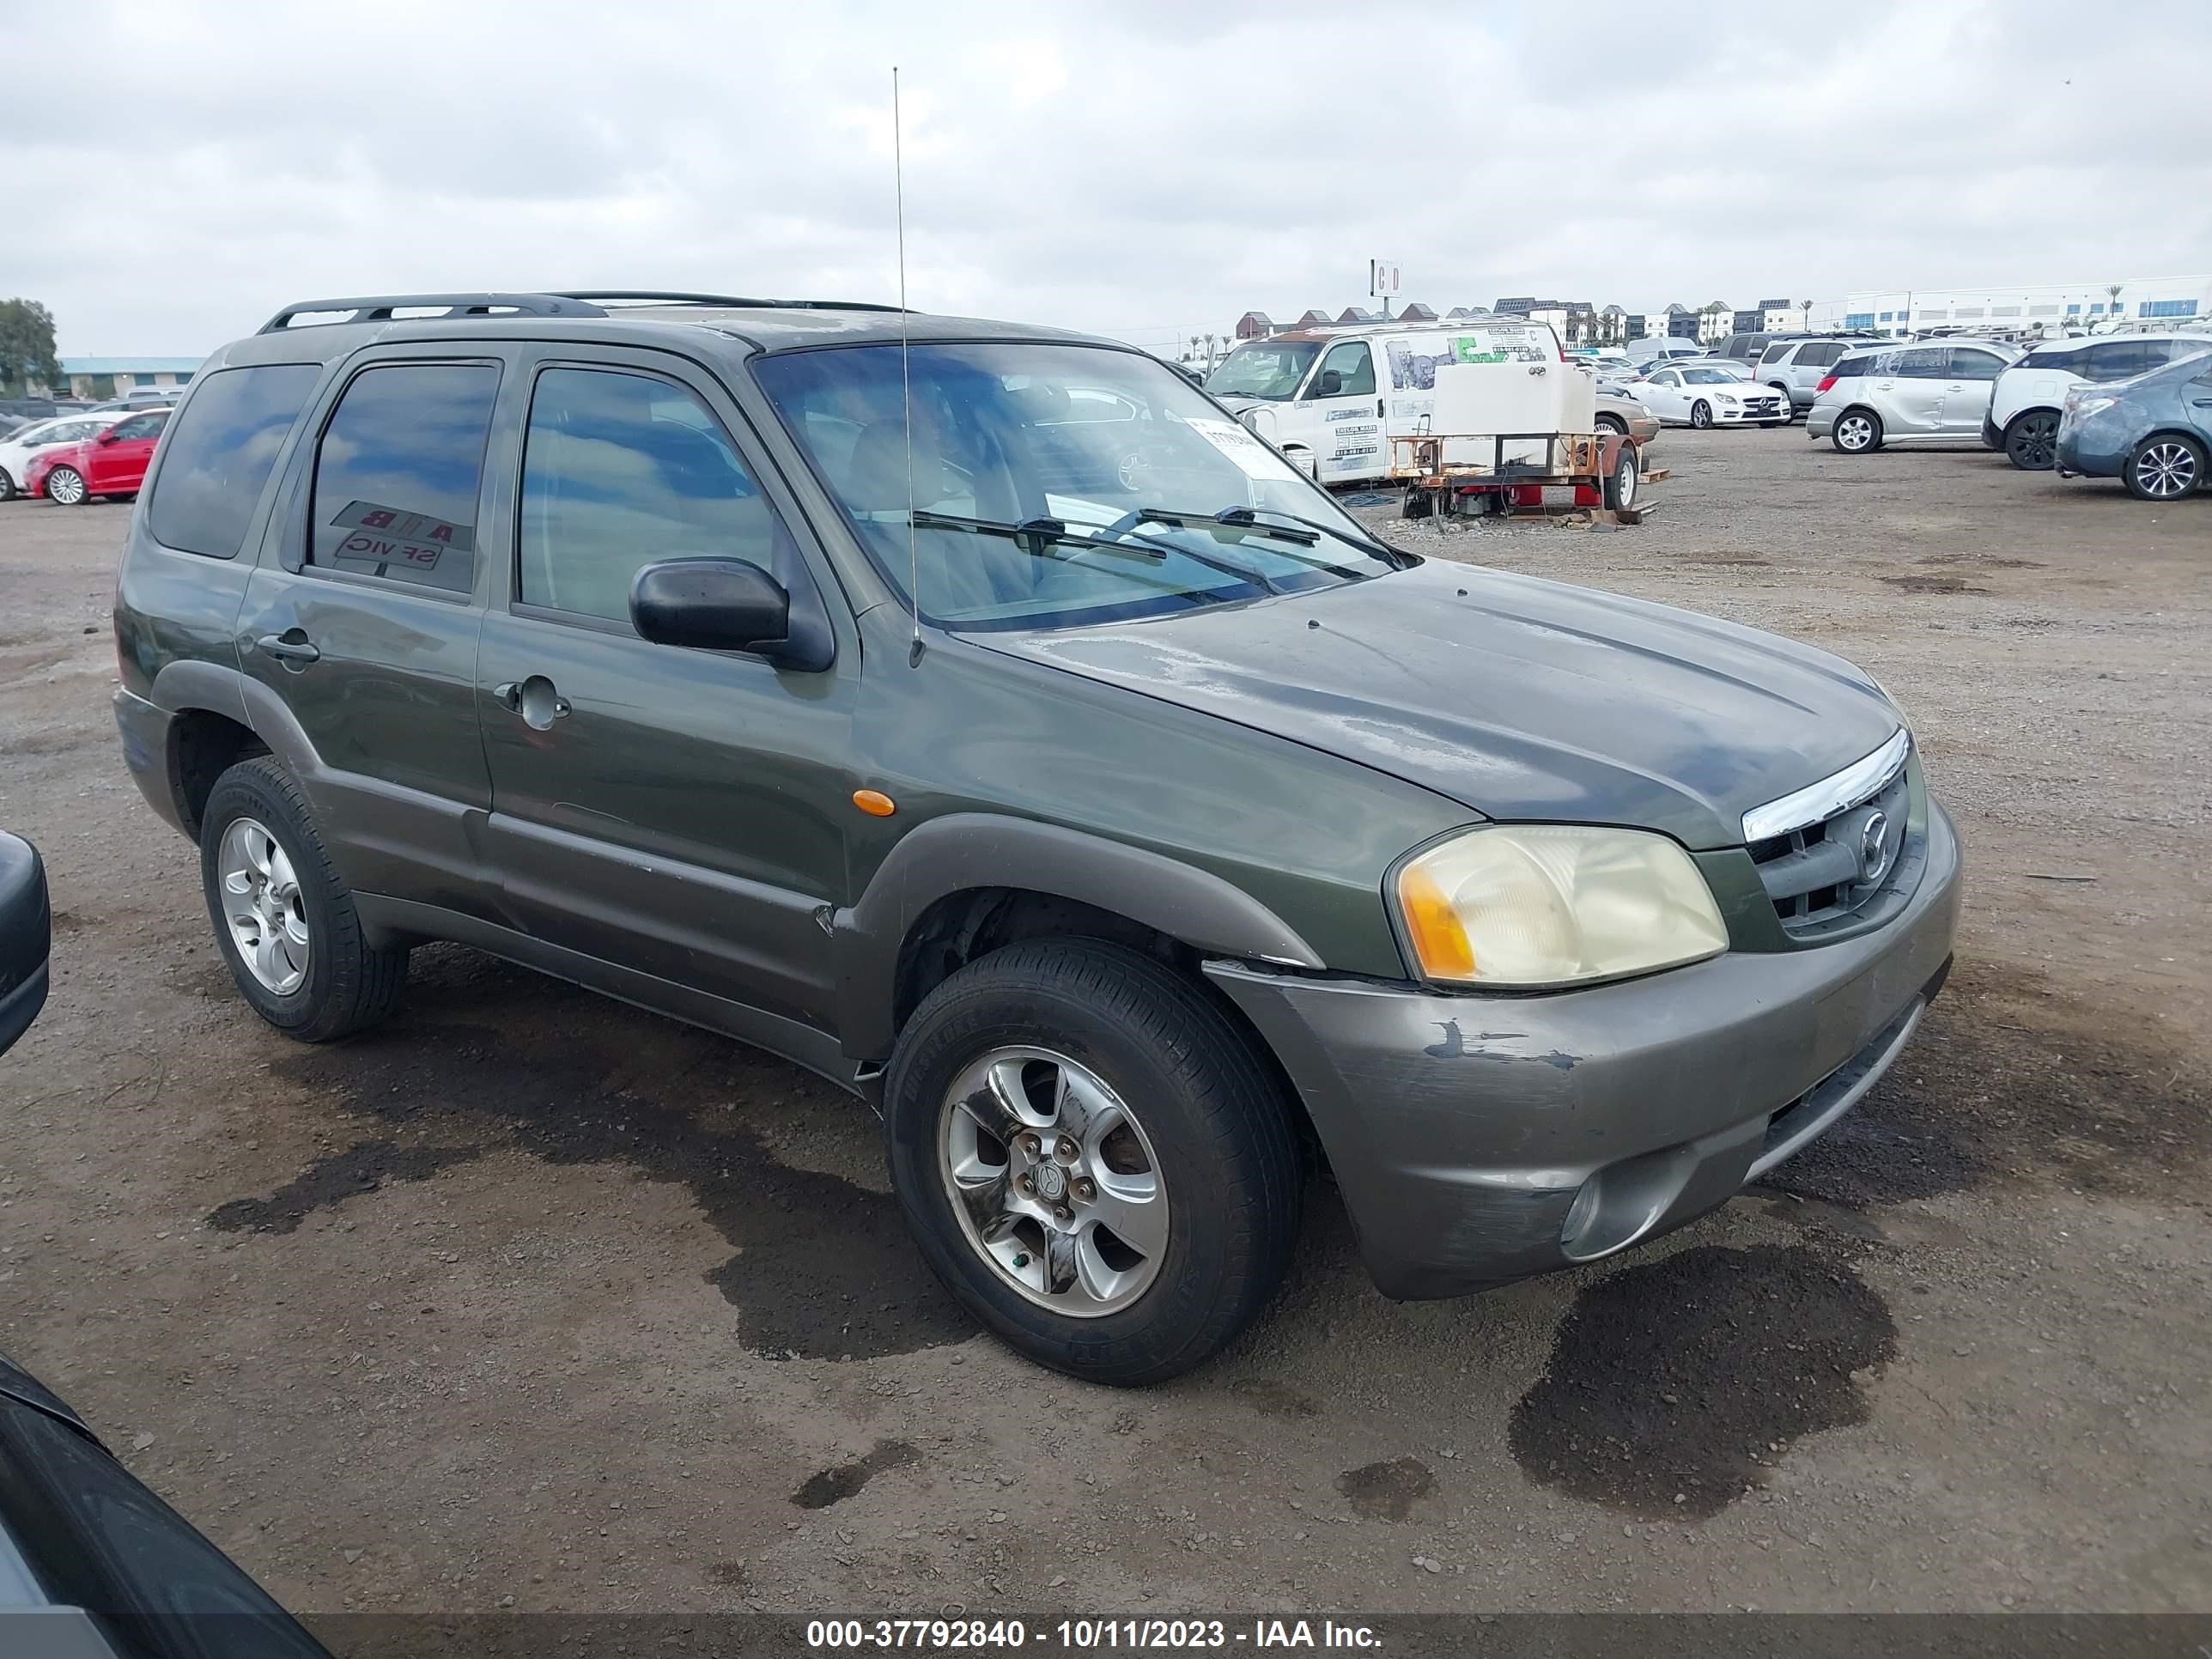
[1579, 1213]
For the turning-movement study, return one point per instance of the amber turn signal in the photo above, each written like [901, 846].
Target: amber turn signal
[875, 803]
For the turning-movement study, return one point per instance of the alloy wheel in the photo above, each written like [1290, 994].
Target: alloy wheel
[1054, 1182]
[1855, 431]
[2165, 469]
[264, 906]
[1700, 413]
[2033, 443]
[65, 485]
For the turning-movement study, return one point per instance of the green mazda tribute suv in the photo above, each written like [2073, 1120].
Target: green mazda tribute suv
[980, 717]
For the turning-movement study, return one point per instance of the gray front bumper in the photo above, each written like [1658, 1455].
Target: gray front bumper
[1461, 1128]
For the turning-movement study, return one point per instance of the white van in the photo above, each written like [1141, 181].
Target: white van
[1331, 399]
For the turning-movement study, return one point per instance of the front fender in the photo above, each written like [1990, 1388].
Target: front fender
[969, 850]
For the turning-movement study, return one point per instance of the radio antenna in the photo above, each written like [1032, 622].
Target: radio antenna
[906, 380]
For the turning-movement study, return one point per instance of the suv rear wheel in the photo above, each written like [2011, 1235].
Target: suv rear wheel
[2032, 440]
[1093, 1159]
[284, 920]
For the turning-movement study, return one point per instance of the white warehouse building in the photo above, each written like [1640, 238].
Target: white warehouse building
[2058, 306]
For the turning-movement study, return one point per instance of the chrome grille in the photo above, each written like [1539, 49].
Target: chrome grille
[1854, 845]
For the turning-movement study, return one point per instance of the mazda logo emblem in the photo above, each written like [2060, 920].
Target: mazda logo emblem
[1873, 847]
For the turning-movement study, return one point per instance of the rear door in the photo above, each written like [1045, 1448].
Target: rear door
[1973, 375]
[366, 624]
[1909, 397]
[115, 462]
[674, 811]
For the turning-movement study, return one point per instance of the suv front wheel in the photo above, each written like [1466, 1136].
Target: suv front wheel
[1093, 1159]
[284, 919]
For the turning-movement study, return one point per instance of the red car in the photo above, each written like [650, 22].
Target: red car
[113, 464]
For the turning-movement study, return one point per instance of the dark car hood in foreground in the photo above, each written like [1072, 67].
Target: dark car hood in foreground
[1520, 698]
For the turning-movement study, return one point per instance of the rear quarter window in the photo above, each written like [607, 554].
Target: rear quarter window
[219, 454]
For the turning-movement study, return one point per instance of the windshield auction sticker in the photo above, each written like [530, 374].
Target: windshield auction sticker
[1251, 456]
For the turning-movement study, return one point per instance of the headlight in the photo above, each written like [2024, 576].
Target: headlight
[1728, 398]
[1517, 907]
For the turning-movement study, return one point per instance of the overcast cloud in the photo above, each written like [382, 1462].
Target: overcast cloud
[177, 170]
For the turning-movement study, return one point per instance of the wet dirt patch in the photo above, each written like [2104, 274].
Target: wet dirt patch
[495, 1056]
[1932, 584]
[45, 743]
[2009, 1079]
[1277, 1400]
[331, 1181]
[839, 1482]
[1387, 1491]
[1674, 1385]
[1748, 559]
[1982, 561]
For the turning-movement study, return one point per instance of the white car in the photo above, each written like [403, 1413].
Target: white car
[2027, 401]
[1708, 394]
[15, 452]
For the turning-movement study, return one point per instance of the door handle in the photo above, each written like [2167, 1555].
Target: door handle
[534, 699]
[292, 649]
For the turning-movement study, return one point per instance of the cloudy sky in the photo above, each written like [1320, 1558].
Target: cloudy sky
[1147, 169]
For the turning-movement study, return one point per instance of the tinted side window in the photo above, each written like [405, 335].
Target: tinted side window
[1820, 354]
[1967, 365]
[397, 474]
[623, 471]
[1851, 368]
[2067, 358]
[2157, 354]
[2115, 359]
[1776, 353]
[219, 457]
[140, 426]
[1921, 363]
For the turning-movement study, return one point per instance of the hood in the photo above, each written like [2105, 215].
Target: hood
[1518, 698]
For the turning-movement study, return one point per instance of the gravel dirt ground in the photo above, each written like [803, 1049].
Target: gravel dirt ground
[531, 1299]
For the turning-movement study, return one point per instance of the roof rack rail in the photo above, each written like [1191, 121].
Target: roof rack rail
[653, 297]
[379, 308]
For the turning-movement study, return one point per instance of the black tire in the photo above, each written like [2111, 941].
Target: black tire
[1621, 482]
[2166, 466]
[7, 486]
[2031, 441]
[1701, 414]
[348, 985]
[1856, 432]
[1613, 423]
[1209, 1103]
[64, 487]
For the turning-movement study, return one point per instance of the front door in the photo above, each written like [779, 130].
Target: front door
[1344, 415]
[366, 625]
[115, 462]
[679, 812]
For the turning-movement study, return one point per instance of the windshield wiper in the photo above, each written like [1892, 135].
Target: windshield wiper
[1246, 517]
[1038, 537]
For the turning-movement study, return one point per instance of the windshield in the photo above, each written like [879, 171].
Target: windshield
[1263, 369]
[1056, 484]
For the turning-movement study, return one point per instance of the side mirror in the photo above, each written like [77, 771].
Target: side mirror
[711, 605]
[108, 436]
[1330, 384]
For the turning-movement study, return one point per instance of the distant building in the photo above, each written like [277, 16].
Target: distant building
[1253, 326]
[1312, 319]
[1355, 314]
[2055, 307]
[98, 378]
[1415, 311]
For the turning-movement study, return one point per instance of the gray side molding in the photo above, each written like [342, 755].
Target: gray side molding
[190, 682]
[964, 850]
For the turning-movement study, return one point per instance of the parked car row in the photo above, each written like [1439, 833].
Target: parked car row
[2135, 407]
[81, 458]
